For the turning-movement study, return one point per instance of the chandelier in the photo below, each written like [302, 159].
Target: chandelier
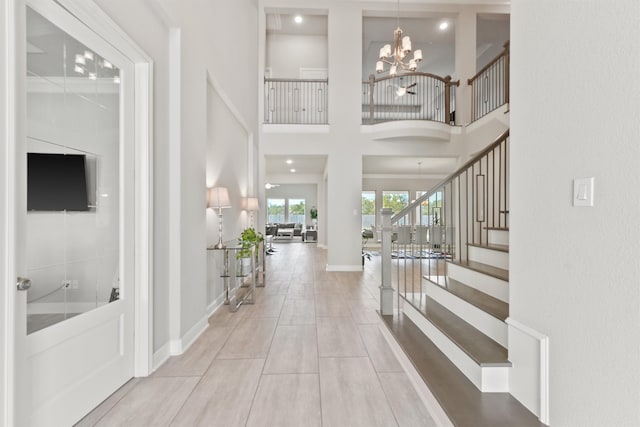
[397, 58]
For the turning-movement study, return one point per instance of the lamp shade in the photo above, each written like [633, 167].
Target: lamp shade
[218, 198]
[251, 204]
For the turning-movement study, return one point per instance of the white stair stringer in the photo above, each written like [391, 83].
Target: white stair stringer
[498, 237]
[492, 327]
[489, 256]
[487, 378]
[490, 285]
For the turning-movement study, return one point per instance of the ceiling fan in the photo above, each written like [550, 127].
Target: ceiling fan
[269, 186]
[403, 90]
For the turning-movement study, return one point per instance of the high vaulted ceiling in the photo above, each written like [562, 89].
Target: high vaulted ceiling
[439, 58]
[396, 166]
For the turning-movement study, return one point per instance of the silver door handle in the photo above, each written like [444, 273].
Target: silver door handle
[23, 283]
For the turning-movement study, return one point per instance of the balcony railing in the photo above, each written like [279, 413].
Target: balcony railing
[412, 96]
[490, 86]
[293, 101]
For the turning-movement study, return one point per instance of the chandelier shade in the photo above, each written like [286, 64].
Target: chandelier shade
[397, 56]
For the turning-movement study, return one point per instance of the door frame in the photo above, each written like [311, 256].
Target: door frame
[12, 128]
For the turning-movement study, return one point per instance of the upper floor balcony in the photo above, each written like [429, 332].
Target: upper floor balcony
[409, 96]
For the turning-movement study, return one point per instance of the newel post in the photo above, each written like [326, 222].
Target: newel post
[386, 289]
[447, 100]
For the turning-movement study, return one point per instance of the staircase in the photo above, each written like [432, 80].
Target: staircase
[453, 291]
[465, 315]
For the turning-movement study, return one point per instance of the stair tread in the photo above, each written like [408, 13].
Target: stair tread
[493, 306]
[499, 273]
[463, 403]
[479, 347]
[492, 246]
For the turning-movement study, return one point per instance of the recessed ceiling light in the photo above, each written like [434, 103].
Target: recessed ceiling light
[289, 161]
[444, 25]
[292, 170]
[298, 19]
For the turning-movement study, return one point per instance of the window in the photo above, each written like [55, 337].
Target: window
[296, 211]
[286, 211]
[422, 210]
[430, 210]
[396, 200]
[275, 211]
[368, 209]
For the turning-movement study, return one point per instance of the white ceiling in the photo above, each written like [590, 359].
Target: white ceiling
[371, 165]
[438, 46]
[403, 165]
[277, 165]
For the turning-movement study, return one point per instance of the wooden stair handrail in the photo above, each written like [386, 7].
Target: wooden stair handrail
[451, 177]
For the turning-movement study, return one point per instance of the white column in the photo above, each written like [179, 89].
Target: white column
[344, 195]
[344, 163]
[465, 63]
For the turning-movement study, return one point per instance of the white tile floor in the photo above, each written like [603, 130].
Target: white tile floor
[308, 353]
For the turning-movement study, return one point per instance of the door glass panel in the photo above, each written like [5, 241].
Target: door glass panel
[72, 155]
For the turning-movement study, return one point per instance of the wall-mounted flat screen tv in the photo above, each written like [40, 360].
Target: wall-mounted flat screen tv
[56, 182]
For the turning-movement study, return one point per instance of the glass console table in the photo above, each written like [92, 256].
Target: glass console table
[241, 275]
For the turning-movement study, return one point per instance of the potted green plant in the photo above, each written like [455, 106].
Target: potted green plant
[247, 240]
[313, 213]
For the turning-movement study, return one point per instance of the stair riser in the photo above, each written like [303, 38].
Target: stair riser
[498, 237]
[490, 285]
[488, 256]
[490, 326]
[486, 379]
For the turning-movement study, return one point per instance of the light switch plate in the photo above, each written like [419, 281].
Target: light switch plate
[583, 191]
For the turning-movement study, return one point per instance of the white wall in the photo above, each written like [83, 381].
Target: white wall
[574, 271]
[181, 138]
[286, 54]
[227, 153]
[153, 38]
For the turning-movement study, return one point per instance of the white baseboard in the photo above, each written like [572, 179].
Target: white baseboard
[181, 345]
[435, 410]
[529, 379]
[162, 355]
[215, 305]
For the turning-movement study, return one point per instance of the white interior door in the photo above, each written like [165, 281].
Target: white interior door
[75, 222]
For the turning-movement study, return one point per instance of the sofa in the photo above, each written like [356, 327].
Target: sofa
[288, 230]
